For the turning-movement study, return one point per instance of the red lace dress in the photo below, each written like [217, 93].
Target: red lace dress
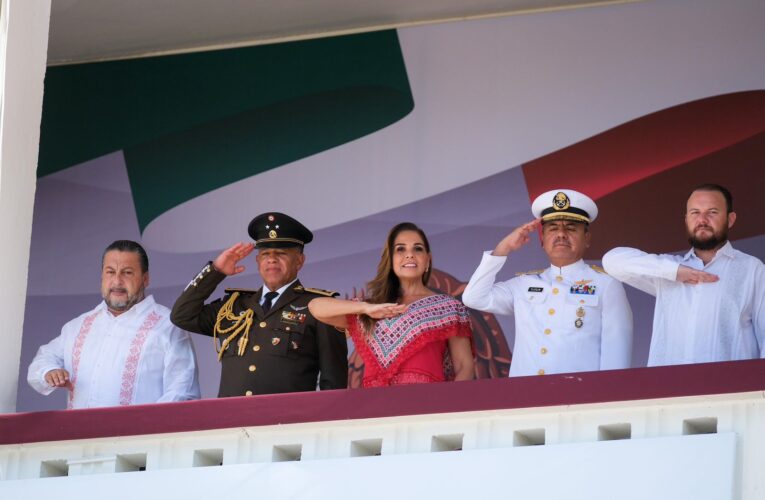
[411, 348]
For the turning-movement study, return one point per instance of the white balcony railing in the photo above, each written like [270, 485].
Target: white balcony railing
[693, 431]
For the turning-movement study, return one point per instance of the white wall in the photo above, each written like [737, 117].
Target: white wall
[23, 53]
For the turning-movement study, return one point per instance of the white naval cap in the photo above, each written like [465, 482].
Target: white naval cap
[564, 204]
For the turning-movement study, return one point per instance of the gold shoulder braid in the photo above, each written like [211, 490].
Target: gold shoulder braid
[598, 269]
[239, 324]
[535, 271]
[319, 291]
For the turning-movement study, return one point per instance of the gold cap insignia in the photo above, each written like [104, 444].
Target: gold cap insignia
[561, 201]
[272, 234]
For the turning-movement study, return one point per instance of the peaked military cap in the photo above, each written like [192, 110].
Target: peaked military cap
[277, 230]
[564, 204]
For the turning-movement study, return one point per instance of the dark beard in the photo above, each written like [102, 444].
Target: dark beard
[715, 241]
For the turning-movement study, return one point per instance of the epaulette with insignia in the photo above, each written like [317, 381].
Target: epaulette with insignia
[240, 290]
[598, 269]
[319, 291]
[535, 271]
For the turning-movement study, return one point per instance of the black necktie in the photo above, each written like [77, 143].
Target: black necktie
[269, 299]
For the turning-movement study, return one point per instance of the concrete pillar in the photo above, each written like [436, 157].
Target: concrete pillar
[23, 55]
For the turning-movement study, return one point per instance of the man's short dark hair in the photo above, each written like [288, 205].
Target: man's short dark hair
[720, 189]
[129, 246]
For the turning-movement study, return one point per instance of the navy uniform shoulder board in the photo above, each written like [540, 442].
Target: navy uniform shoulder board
[598, 269]
[240, 290]
[317, 291]
[535, 271]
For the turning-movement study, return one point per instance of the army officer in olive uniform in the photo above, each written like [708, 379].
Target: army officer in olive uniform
[569, 317]
[269, 341]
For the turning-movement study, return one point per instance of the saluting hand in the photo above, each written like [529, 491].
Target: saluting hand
[227, 261]
[515, 240]
[691, 276]
[380, 311]
[58, 378]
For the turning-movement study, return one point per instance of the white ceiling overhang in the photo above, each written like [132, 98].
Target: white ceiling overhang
[97, 30]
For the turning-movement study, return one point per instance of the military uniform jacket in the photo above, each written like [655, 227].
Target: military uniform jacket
[286, 350]
[567, 319]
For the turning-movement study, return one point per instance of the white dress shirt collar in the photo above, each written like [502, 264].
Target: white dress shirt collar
[280, 291]
[568, 270]
[726, 250]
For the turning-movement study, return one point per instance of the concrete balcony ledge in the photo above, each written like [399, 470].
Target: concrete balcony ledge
[422, 399]
[695, 431]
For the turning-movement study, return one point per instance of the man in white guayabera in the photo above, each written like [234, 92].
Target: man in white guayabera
[710, 302]
[125, 351]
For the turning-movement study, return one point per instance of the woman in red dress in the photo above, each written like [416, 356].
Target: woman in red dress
[404, 332]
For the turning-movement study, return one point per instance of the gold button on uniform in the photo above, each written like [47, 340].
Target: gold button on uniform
[548, 331]
[252, 368]
[555, 291]
[559, 278]
[287, 328]
[256, 348]
[543, 350]
[541, 372]
[263, 324]
[248, 393]
[551, 312]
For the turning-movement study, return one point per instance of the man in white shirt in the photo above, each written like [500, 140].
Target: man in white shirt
[125, 351]
[569, 317]
[710, 302]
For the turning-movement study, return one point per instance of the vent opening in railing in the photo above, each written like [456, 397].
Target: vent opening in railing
[447, 442]
[207, 458]
[366, 448]
[613, 432]
[704, 425]
[287, 453]
[133, 462]
[529, 437]
[54, 468]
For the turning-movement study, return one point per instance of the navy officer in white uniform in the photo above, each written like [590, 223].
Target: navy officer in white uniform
[569, 317]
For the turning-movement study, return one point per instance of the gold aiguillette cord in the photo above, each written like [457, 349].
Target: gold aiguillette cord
[239, 323]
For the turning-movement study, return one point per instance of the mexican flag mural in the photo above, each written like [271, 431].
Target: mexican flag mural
[456, 127]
